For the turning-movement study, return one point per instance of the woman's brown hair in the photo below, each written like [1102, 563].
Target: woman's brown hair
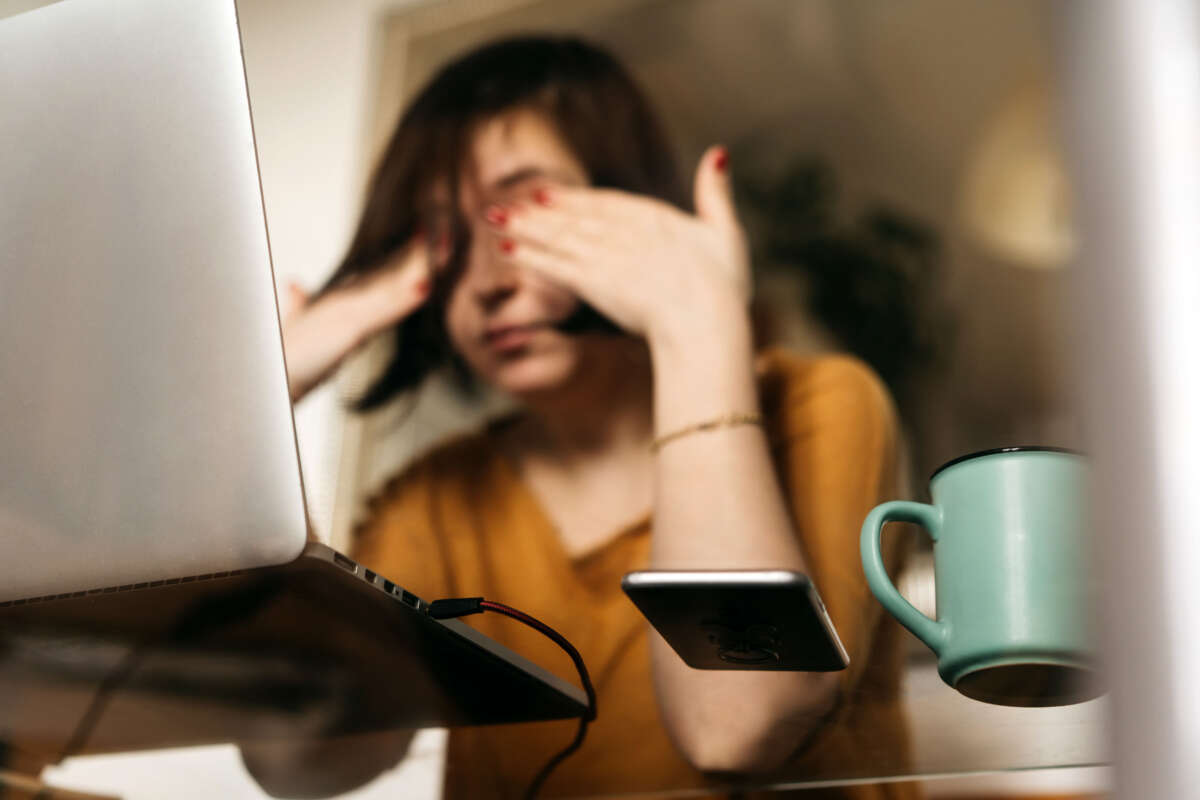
[594, 104]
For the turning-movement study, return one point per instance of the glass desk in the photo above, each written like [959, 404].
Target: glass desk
[951, 736]
[948, 734]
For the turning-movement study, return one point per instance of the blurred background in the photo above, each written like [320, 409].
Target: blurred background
[896, 164]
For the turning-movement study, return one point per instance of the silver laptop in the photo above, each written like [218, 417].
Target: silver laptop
[149, 478]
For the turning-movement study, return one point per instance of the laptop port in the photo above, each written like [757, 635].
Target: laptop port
[370, 575]
[388, 586]
[410, 599]
[345, 563]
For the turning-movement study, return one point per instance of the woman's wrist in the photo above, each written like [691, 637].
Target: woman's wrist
[721, 324]
[703, 367]
[362, 311]
[318, 337]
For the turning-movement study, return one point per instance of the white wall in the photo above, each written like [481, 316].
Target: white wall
[309, 68]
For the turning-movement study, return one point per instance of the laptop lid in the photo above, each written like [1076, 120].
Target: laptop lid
[145, 425]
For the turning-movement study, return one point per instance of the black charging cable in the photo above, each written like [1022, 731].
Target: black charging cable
[462, 606]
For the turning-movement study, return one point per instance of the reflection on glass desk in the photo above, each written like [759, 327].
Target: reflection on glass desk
[954, 735]
[949, 734]
[266, 654]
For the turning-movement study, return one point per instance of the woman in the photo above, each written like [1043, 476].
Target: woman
[526, 227]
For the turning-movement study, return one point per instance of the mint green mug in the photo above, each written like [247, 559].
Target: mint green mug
[1011, 575]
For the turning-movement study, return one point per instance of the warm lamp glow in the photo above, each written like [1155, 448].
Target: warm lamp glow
[1016, 199]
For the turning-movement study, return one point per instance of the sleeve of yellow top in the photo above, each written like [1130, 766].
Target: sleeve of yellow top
[839, 457]
[398, 537]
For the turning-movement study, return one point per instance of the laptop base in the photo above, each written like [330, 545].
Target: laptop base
[315, 648]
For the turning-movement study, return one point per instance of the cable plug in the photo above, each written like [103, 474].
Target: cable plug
[455, 607]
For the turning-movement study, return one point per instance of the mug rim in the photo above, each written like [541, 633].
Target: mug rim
[997, 450]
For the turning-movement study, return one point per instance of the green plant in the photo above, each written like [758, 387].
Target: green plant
[872, 282]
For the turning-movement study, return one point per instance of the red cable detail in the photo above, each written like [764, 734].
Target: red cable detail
[559, 639]
[536, 784]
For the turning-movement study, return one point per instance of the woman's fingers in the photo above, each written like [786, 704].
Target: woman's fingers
[398, 288]
[594, 282]
[632, 257]
[293, 301]
[595, 243]
[552, 229]
[547, 257]
[713, 195]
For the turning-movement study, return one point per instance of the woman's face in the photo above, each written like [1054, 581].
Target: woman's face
[501, 319]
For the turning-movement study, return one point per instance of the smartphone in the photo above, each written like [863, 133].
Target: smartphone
[766, 619]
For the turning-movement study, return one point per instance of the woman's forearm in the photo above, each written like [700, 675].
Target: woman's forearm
[718, 505]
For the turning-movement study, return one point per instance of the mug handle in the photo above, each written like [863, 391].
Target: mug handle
[931, 632]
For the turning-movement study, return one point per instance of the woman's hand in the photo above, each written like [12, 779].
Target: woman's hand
[651, 268]
[319, 334]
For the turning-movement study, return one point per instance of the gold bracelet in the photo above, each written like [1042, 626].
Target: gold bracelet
[724, 421]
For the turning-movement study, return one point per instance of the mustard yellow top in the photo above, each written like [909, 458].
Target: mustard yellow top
[460, 522]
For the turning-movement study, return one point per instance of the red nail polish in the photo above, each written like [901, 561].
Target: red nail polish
[541, 196]
[496, 215]
[721, 162]
[508, 245]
